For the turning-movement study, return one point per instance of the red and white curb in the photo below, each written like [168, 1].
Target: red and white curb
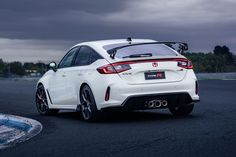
[16, 129]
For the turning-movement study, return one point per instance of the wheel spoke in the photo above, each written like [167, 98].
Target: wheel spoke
[85, 94]
[88, 97]
[86, 104]
[40, 92]
[89, 108]
[39, 97]
[84, 111]
[84, 99]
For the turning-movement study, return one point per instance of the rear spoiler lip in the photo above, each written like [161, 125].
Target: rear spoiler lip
[112, 52]
[150, 60]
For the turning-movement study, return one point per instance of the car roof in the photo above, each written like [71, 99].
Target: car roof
[98, 46]
[101, 43]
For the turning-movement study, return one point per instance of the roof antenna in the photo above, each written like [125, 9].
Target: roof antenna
[129, 40]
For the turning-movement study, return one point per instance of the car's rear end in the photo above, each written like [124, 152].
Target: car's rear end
[147, 76]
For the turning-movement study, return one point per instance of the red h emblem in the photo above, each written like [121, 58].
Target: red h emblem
[154, 64]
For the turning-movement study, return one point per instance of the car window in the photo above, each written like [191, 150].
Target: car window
[68, 58]
[94, 56]
[86, 56]
[154, 49]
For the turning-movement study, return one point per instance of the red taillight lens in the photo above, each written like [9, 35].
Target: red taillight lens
[124, 66]
[187, 64]
[107, 69]
[113, 68]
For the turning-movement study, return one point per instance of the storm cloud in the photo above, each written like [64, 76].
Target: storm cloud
[58, 24]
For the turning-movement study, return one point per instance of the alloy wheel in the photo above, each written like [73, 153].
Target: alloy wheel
[41, 100]
[86, 104]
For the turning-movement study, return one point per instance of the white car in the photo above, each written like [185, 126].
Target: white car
[129, 74]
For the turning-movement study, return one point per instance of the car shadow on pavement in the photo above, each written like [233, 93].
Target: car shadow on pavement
[125, 116]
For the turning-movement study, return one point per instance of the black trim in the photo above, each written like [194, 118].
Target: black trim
[153, 95]
[196, 100]
[107, 94]
[137, 102]
[49, 96]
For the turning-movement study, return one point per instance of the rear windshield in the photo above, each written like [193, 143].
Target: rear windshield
[154, 49]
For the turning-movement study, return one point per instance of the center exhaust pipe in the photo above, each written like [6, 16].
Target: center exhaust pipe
[157, 103]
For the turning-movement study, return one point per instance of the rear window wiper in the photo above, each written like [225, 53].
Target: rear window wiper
[139, 55]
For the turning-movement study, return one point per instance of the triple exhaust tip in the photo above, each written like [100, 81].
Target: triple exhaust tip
[156, 103]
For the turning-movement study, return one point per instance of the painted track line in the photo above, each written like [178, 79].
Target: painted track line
[16, 129]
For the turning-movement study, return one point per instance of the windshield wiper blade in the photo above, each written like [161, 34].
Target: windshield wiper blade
[139, 55]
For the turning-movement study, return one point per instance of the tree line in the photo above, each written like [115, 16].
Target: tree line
[16, 68]
[220, 60]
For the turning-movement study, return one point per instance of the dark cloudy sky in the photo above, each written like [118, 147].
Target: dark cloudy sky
[32, 30]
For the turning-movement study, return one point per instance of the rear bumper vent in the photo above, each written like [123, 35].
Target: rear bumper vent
[107, 94]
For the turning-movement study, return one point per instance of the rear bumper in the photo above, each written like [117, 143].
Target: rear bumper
[121, 91]
[120, 95]
[139, 102]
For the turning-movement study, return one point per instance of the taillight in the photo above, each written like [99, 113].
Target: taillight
[124, 66]
[187, 64]
[114, 68]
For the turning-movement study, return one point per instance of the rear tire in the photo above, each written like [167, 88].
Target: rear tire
[181, 110]
[42, 102]
[88, 105]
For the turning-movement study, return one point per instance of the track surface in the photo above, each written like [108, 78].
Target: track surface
[209, 131]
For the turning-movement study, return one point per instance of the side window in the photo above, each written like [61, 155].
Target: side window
[83, 56]
[86, 56]
[94, 56]
[68, 58]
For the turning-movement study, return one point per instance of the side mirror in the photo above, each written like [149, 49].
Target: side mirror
[53, 66]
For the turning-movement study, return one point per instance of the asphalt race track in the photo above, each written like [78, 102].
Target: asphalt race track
[209, 131]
